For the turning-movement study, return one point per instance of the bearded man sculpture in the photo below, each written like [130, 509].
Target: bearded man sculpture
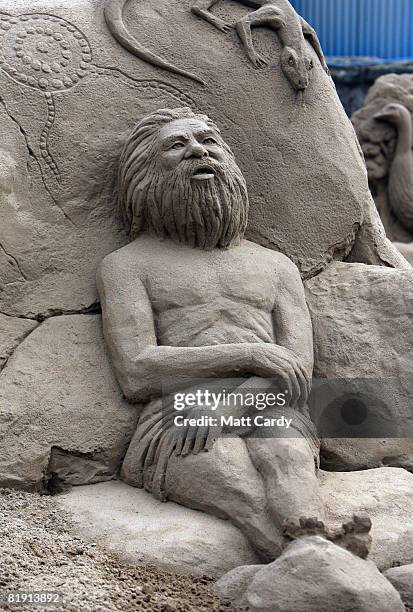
[189, 298]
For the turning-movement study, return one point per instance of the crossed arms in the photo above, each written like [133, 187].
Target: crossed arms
[142, 366]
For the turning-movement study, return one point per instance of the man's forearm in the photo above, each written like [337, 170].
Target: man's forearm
[157, 367]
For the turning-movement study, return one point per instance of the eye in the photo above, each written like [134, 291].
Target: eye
[177, 145]
[291, 61]
[210, 141]
[311, 65]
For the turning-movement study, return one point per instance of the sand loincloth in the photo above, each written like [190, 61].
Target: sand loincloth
[154, 441]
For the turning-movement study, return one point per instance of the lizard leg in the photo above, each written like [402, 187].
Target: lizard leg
[201, 8]
[267, 15]
[312, 37]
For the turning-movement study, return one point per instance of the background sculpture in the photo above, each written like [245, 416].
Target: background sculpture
[400, 186]
[384, 128]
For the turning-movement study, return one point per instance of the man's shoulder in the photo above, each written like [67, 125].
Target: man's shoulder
[115, 260]
[279, 260]
[130, 257]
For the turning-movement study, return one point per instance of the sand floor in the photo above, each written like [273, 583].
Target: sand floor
[40, 551]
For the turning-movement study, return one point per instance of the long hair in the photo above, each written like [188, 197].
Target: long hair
[137, 158]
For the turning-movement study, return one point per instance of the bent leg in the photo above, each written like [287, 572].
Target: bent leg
[201, 8]
[290, 478]
[224, 482]
[270, 16]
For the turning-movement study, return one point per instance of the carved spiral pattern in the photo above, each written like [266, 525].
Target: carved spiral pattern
[43, 51]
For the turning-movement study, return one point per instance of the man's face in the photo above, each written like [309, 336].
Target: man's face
[193, 142]
[193, 191]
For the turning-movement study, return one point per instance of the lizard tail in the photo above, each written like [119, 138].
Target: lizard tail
[114, 18]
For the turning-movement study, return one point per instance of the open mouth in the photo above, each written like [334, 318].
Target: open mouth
[203, 173]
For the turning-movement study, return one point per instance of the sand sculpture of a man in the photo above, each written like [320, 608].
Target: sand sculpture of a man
[189, 298]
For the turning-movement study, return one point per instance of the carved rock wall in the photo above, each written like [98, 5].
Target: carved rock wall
[386, 495]
[363, 347]
[12, 332]
[61, 408]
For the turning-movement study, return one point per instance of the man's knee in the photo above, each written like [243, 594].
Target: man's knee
[223, 476]
[283, 451]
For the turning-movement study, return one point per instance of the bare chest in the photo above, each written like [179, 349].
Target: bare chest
[212, 303]
[191, 284]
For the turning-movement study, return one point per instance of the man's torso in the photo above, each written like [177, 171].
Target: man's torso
[204, 298]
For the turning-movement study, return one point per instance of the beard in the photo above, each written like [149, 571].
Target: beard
[206, 214]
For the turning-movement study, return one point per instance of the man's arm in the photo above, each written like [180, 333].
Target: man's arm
[292, 321]
[141, 366]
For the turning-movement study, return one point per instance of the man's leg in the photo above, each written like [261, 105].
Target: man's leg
[224, 482]
[289, 474]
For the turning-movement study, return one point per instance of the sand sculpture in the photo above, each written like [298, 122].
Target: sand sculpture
[248, 246]
[384, 128]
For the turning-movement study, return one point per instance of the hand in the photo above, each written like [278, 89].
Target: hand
[273, 361]
[196, 438]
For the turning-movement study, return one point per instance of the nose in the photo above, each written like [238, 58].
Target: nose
[196, 149]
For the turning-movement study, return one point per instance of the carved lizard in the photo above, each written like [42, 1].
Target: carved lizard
[292, 29]
[114, 18]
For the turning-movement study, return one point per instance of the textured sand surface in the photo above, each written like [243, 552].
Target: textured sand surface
[40, 552]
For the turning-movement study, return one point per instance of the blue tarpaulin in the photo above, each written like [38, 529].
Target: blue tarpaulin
[374, 30]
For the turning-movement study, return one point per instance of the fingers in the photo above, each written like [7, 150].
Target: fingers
[304, 382]
[281, 367]
[192, 439]
[262, 62]
[189, 441]
[195, 439]
[302, 378]
[158, 433]
[273, 366]
[285, 380]
[295, 385]
[200, 439]
[180, 437]
[304, 386]
[258, 60]
[213, 435]
[165, 448]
